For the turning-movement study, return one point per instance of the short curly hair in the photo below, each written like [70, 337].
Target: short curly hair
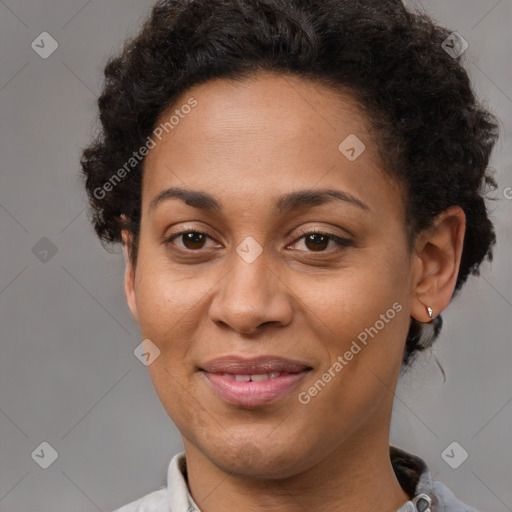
[434, 137]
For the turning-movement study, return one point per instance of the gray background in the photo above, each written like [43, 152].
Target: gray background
[68, 375]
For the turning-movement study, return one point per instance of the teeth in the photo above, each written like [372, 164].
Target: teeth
[259, 376]
[254, 378]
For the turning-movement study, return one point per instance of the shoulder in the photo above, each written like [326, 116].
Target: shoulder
[155, 501]
[174, 496]
[414, 476]
[448, 502]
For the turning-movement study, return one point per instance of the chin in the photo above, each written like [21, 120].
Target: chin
[259, 458]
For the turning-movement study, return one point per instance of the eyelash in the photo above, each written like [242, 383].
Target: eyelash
[342, 242]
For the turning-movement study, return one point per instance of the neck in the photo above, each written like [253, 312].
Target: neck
[356, 476]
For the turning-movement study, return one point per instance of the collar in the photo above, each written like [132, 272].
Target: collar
[414, 477]
[411, 471]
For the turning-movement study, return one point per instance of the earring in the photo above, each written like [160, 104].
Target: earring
[430, 312]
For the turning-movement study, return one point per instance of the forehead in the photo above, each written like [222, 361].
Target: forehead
[255, 108]
[262, 135]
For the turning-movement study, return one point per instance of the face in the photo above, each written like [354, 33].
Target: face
[283, 257]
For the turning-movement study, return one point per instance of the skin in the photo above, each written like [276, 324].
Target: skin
[246, 143]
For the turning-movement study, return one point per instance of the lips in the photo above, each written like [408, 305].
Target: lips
[258, 365]
[253, 382]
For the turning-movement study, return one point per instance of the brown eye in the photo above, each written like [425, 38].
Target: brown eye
[190, 240]
[316, 242]
[193, 240]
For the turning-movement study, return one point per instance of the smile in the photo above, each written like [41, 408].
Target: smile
[257, 377]
[253, 382]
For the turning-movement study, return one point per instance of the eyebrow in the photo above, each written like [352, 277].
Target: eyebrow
[297, 200]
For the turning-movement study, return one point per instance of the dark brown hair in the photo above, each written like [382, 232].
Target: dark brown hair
[435, 138]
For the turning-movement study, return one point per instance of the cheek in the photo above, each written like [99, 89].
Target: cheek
[364, 325]
[361, 316]
[354, 299]
[165, 299]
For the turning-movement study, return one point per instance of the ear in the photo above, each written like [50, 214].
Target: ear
[129, 274]
[437, 254]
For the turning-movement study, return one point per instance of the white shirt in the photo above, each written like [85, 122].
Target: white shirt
[411, 471]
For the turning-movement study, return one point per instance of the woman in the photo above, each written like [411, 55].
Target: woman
[297, 186]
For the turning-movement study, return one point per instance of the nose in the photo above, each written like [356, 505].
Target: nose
[250, 296]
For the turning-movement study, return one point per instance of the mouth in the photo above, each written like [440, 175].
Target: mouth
[253, 382]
